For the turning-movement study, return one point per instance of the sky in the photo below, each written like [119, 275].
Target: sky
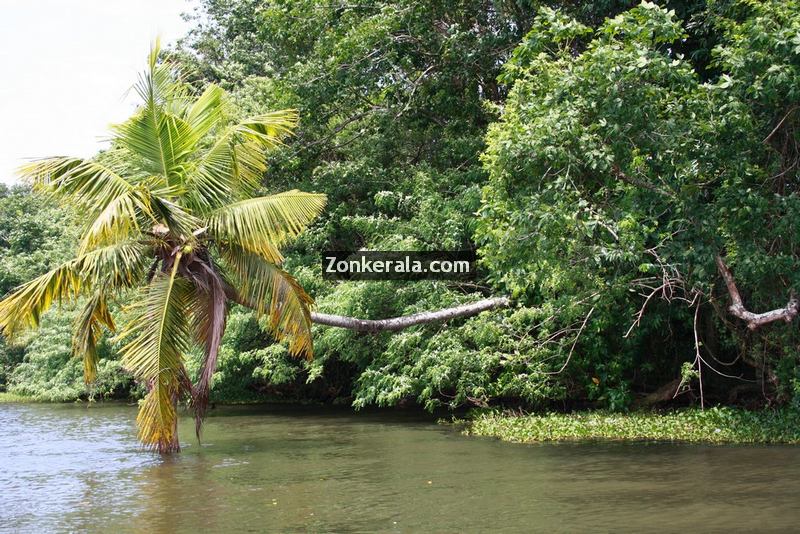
[65, 69]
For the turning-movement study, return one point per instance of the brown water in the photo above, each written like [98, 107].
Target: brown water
[79, 468]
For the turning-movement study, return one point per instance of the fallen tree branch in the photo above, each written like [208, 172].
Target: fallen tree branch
[399, 323]
[754, 320]
[664, 393]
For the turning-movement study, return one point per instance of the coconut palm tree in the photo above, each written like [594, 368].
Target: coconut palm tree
[172, 225]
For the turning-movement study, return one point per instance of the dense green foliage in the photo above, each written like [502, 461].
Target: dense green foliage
[594, 154]
[392, 99]
[627, 174]
[627, 148]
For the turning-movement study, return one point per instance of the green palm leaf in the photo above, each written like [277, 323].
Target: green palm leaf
[114, 266]
[161, 139]
[88, 330]
[88, 183]
[25, 306]
[269, 129]
[207, 112]
[263, 224]
[156, 337]
[117, 221]
[156, 133]
[232, 169]
[272, 292]
[117, 266]
[109, 201]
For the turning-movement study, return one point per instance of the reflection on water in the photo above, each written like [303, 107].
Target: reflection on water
[79, 468]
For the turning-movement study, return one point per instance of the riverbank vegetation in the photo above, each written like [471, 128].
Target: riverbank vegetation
[10, 397]
[625, 171]
[714, 425]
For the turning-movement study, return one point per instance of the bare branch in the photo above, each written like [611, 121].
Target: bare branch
[780, 123]
[671, 282]
[575, 342]
[754, 320]
[698, 358]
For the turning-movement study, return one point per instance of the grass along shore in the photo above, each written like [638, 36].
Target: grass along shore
[714, 425]
[13, 397]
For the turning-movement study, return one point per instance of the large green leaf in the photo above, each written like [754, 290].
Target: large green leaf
[207, 111]
[232, 169]
[89, 183]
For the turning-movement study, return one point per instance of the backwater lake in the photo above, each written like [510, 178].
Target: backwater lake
[79, 468]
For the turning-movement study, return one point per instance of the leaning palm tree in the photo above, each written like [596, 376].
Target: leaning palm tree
[172, 223]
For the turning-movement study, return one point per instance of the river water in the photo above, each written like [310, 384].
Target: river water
[258, 469]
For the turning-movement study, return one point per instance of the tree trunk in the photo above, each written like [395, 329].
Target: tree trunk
[399, 323]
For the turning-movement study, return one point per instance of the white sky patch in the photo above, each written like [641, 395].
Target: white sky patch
[65, 69]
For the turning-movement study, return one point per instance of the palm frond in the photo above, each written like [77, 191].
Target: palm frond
[90, 183]
[156, 336]
[263, 224]
[88, 331]
[207, 111]
[115, 266]
[162, 140]
[179, 222]
[209, 308]
[218, 177]
[110, 202]
[234, 166]
[25, 306]
[271, 128]
[157, 133]
[118, 221]
[158, 85]
[211, 183]
[158, 416]
[267, 289]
